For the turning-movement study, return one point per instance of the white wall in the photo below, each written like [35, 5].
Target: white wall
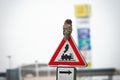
[105, 33]
[32, 29]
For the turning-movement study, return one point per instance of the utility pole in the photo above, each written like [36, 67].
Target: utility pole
[36, 68]
[10, 62]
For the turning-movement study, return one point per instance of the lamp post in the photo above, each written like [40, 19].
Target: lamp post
[36, 68]
[10, 62]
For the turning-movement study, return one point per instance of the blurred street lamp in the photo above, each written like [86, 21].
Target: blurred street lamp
[10, 62]
[36, 68]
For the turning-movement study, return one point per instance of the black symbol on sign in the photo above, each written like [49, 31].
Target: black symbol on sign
[66, 48]
[65, 72]
[66, 56]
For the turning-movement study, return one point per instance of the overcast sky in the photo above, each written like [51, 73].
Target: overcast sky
[32, 30]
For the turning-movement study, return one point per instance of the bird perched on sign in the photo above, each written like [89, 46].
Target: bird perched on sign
[67, 29]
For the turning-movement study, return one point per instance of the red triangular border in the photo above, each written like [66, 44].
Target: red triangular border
[81, 60]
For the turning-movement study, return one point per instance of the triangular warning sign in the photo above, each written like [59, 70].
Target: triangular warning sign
[67, 54]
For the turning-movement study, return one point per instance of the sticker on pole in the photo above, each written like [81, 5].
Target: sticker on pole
[67, 54]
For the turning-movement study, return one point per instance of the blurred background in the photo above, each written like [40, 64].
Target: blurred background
[31, 30]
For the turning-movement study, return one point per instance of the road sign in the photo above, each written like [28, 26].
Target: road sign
[66, 73]
[67, 54]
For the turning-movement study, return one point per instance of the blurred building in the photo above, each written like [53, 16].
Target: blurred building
[44, 72]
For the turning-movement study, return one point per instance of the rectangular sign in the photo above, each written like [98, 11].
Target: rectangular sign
[66, 73]
[83, 33]
[82, 10]
[84, 42]
[82, 21]
[84, 47]
[87, 55]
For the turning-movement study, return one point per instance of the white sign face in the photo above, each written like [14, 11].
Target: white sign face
[67, 54]
[66, 73]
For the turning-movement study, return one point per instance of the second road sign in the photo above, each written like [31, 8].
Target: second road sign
[66, 73]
